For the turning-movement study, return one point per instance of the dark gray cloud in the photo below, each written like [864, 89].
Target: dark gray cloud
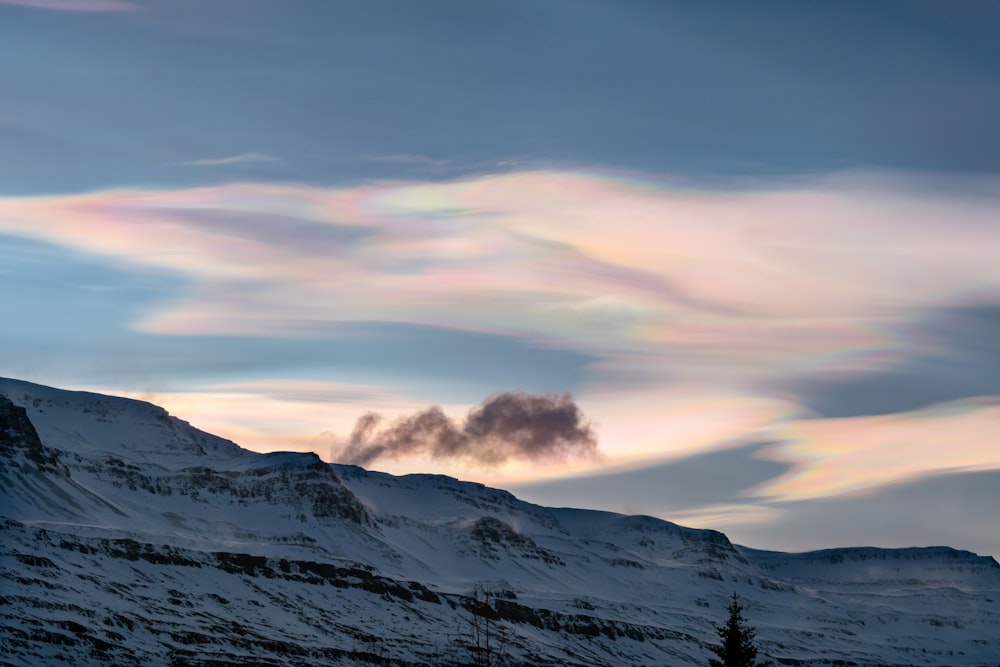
[508, 425]
[958, 356]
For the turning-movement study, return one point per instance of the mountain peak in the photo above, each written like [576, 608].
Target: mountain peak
[90, 423]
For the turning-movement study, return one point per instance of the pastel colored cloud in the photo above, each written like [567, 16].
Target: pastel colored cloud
[841, 456]
[697, 302]
[276, 414]
[800, 277]
[722, 515]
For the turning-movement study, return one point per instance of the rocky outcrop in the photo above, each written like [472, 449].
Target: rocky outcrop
[18, 437]
[491, 539]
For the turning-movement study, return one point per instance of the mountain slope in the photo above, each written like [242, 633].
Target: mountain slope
[130, 537]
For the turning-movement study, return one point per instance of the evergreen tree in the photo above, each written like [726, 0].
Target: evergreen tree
[737, 648]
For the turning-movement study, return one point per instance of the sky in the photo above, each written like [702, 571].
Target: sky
[735, 265]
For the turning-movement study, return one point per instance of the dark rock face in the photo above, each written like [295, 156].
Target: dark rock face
[18, 434]
[493, 539]
[16, 430]
[312, 488]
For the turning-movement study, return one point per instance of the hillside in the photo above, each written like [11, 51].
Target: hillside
[130, 537]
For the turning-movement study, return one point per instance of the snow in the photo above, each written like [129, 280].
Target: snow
[119, 557]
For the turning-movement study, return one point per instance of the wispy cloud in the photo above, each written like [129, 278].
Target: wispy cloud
[695, 301]
[76, 5]
[770, 281]
[433, 165]
[303, 391]
[266, 415]
[840, 456]
[242, 158]
[419, 160]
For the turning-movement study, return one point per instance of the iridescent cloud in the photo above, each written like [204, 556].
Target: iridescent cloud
[696, 301]
[839, 456]
[789, 274]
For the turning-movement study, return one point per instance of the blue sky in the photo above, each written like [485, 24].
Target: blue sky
[755, 242]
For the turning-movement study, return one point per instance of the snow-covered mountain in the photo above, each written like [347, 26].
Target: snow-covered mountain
[130, 537]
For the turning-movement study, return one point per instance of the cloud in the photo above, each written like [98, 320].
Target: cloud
[956, 356]
[742, 287]
[301, 391]
[264, 415]
[77, 5]
[957, 509]
[722, 477]
[242, 158]
[638, 270]
[729, 300]
[832, 457]
[509, 425]
[417, 160]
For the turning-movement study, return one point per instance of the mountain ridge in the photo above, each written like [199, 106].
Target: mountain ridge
[115, 505]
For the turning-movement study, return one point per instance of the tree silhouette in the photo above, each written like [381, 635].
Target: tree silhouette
[485, 639]
[737, 648]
